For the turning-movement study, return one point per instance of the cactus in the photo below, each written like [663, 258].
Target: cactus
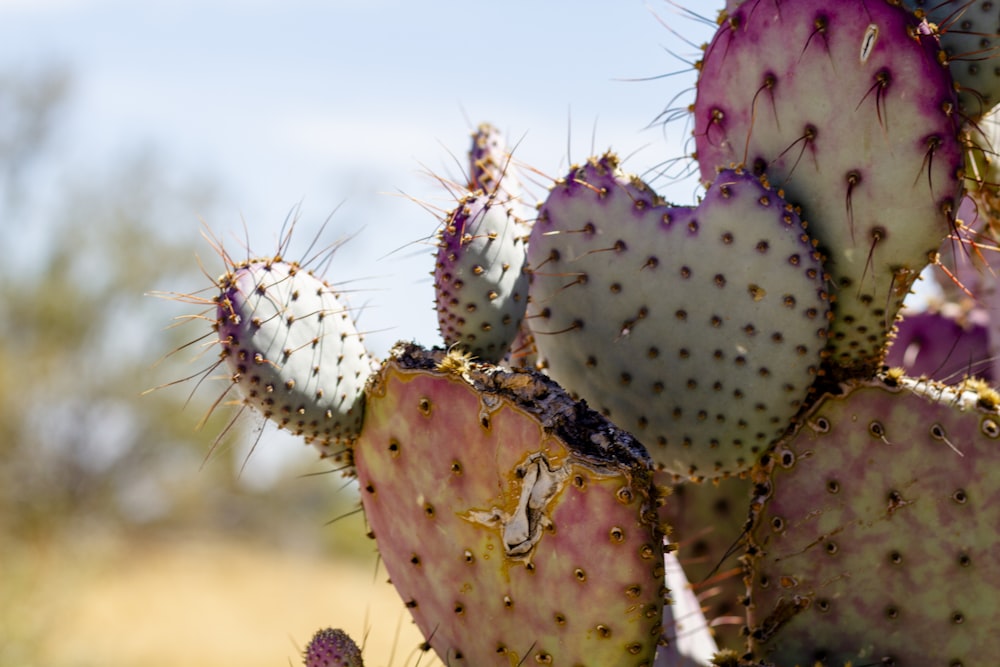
[944, 343]
[332, 648]
[490, 168]
[707, 524]
[708, 371]
[521, 513]
[504, 511]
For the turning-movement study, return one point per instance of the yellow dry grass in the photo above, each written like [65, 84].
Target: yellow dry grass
[190, 602]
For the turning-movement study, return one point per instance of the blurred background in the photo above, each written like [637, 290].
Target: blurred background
[128, 535]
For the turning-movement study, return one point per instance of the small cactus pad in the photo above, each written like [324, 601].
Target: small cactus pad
[518, 526]
[490, 169]
[970, 36]
[480, 285]
[332, 648]
[697, 329]
[875, 531]
[294, 352]
[850, 109]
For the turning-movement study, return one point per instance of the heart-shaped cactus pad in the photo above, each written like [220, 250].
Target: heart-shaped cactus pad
[699, 330]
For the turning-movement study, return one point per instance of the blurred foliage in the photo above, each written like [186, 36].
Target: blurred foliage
[97, 473]
[82, 448]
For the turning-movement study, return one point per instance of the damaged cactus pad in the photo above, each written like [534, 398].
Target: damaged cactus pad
[518, 526]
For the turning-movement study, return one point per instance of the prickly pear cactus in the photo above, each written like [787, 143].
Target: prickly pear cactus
[518, 526]
[697, 329]
[332, 648]
[850, 108]
[875, 530]
[293, 351]
[741, 341]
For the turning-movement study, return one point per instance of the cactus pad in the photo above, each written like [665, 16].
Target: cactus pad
[294, 352]
[947, 343]
[875, 531]
[518, 526]
[490, 168]
[697, 329]
[850, 108]
[479, 279]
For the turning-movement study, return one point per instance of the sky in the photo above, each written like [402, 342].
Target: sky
[355, 107]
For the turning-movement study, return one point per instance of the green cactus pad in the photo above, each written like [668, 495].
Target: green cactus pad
[518, 526]
[480, 285]
[850, 108]
[294, 352]
[490, 168]
[875, 531]
[697, 329]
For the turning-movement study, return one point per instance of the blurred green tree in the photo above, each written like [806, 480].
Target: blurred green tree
[81, 446]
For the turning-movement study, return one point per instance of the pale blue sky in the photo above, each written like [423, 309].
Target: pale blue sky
[346, 101]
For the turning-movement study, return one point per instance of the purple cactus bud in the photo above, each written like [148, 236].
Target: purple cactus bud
[332, 648]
